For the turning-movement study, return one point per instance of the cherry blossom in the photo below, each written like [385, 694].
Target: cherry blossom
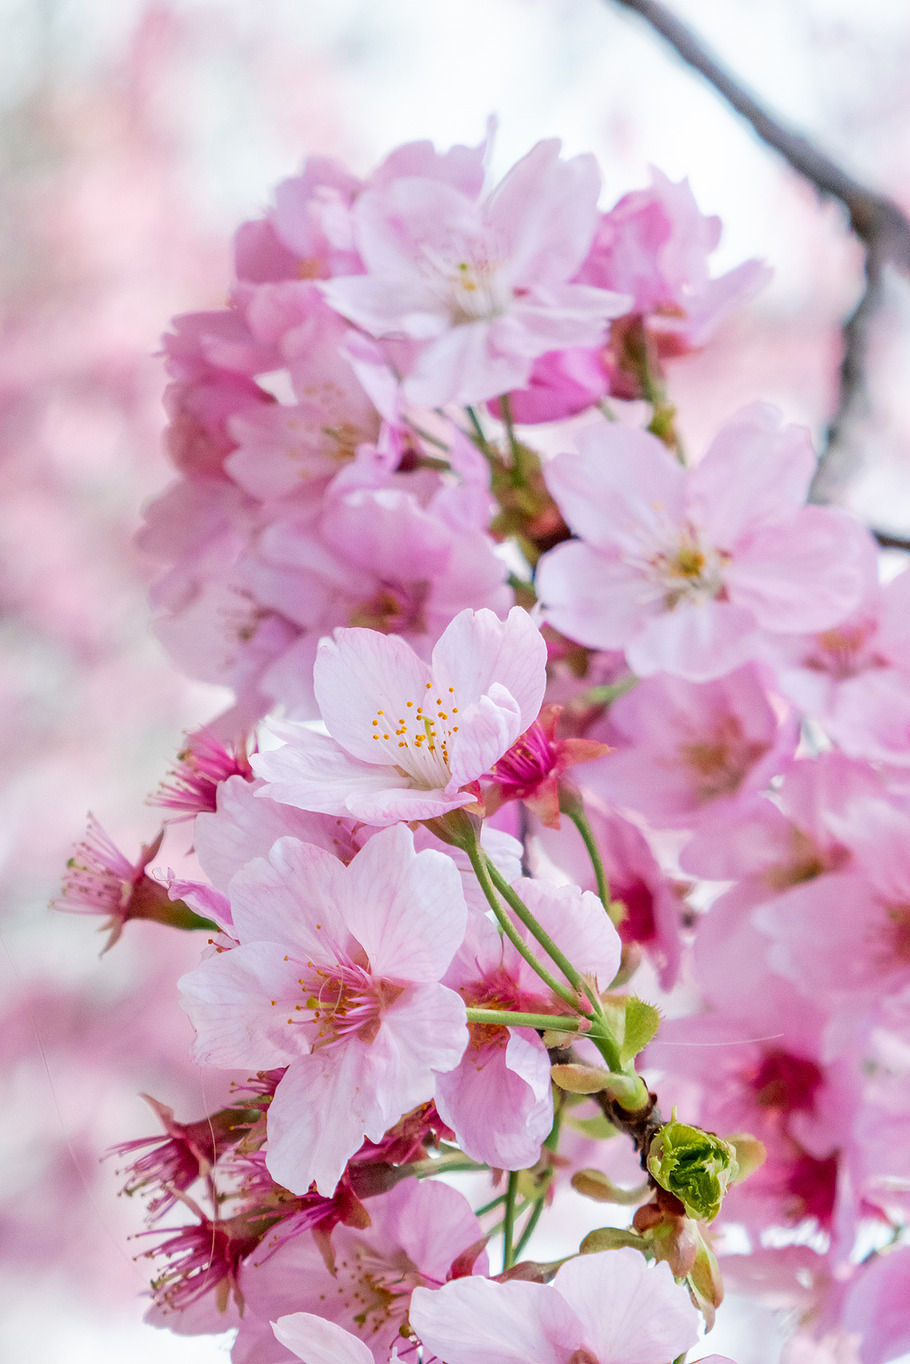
[605, 1308]
[420, 1234]
[404, 739]
[685, 752]
[336, 978]
[682, 569]
[498, 1098]
[482, 288]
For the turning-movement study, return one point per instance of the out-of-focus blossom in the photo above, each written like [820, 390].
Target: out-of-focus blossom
[683, 569]
[481, 288]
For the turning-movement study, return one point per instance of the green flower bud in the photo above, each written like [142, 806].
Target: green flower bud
[695, 1166]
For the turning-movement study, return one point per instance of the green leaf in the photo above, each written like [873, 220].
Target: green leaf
[642, 1022]
[598, 1128]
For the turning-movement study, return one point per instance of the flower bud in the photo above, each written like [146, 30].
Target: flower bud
[695, 1166]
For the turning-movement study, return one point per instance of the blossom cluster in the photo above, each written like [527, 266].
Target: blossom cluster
[529, 701]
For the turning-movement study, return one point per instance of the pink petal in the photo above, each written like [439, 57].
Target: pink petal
[433, 1223]
[578, 924]
[292, 899]
[422, 1033]
[316, 773]
[244, 827]
[498, 1101]
[478, 649]
[486, 729]
[623, 490]
[317, 1341]
[229, 1000]
[699, 642]
[407, 909]
[319, 1116]
[362, 676]
[803, 575]
[410, 803]
[545, 210]
[631, 1312]
[465, 365]
[477, 1321]
[386, 306]
[755, 473]
[597, 600]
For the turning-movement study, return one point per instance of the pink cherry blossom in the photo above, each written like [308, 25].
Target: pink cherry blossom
[607, 1308]
[651, 901]
[683, 569]
[336, 978]
[654, 245]
[498, 1098]
[404, 739]
[846, 934]
[101, 880]
[854, 677]
[535, 766]
[421, 1233]
[686, 752]
[787, 840]
[482, 288]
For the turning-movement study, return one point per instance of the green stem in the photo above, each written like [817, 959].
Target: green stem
[428, 437]
[488, 1207]
[479, 438]
[505, 410]
[480, 862]
[556, 955]
[528, 1229]
[575, 811]
[508, 1225]
[426, 1169]
[505, 1018]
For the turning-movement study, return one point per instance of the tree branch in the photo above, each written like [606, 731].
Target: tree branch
[876, 220]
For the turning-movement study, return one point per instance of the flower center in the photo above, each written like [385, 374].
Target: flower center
[418, 739]
[719, 762]
[376, 1289]
[687, 572]
[528, 762]
[786, 1082]
[339, 1002]
[842, 652]
[394, 609]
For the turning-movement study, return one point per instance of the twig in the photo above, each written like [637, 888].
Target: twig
[876, 220]
[838, 455]
[888, 541]
[873, 216]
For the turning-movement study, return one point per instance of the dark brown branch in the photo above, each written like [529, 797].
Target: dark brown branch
[878, 221]
[854, 406]
[888, 541]
[873, 216]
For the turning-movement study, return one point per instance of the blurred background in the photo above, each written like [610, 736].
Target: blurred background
[134, 137]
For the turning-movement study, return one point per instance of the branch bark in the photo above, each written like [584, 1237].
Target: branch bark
[879, 223]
